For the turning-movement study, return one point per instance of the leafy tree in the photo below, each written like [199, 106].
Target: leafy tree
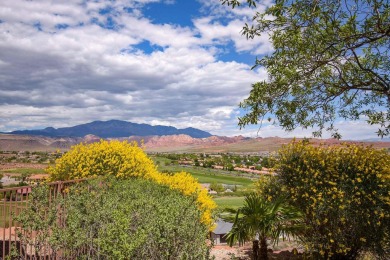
[330, 58]
[116, 219]
[197, 162]
[258, 167]
[230, 167]
[23, 178]
[208, 163]
[218, 187]
[260, 219]
[268, 161]
[344, 195]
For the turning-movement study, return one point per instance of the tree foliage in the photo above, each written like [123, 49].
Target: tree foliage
[126, 160]
[112, 219]
[331, 59]
[218, 187]
[344, 193]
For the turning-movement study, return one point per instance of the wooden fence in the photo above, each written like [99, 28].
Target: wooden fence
[12, 203]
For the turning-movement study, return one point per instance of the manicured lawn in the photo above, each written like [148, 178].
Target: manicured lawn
[160, 160]
[210, 175]
[229, 202]
[205, 175]
[219, 178]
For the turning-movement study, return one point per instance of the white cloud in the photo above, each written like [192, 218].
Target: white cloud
[349, 130]
[213, 31]
[60, 66]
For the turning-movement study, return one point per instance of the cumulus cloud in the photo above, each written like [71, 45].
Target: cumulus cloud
[64, 63]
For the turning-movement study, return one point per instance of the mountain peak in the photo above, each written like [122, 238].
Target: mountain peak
[114, 128]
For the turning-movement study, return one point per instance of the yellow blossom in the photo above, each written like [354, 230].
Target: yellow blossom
[125, 160]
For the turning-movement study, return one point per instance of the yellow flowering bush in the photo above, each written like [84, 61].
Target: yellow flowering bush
[120, 159]
[189, 186]
[268, 186]
[125, 160]
[343, 192]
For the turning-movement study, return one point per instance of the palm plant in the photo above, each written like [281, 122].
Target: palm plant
[260, 219]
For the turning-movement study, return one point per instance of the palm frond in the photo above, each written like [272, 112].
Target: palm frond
[270, 219]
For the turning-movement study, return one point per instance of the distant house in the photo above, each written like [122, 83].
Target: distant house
[186, 162]
[20, 193]
[24, 191]
[218, 235]
[263, 171]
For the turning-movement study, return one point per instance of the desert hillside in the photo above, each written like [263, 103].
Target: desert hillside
[172, 143]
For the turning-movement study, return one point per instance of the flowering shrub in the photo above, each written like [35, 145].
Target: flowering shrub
[189, 186]
[344, 194]
[269, 187]
[106, 218]
[125, 160]
[120, 159]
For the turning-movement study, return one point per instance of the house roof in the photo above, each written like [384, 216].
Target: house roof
[22, 190]
[222, 227]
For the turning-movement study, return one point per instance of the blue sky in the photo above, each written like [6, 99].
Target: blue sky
[182, 63]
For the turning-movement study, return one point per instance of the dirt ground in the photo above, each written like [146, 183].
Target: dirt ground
[223, 252]
[6, 166]
[282, 251]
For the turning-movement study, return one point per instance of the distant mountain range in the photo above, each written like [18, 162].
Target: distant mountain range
[113, 129]
[167, 143]
[154, 139]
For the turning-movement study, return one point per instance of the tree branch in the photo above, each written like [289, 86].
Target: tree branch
[382, 82]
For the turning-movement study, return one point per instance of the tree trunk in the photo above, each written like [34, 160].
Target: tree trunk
[263, 254]
[255, 249]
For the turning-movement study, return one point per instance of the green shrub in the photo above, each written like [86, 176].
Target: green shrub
[126, 219]
[218, 187]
